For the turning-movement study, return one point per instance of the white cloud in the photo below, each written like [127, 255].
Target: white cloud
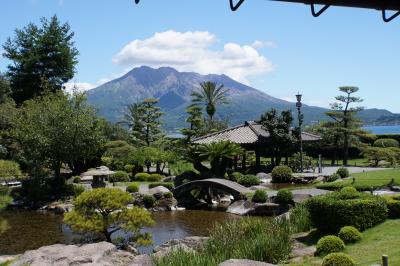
[261, 44]
[191, 51]
[79, 86]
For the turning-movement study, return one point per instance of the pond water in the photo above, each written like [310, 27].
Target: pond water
[30, 230]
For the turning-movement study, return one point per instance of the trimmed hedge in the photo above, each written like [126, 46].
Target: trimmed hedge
[168, 185]
[142, 176]
[248, 180]
[155, 178]
[349, 234]
[338, 259]
[260, 196]
[329, 244]
[343, 172]
[132, 188]
[119, 176]
[332, 177]
[282, 174]
[340, 185]
[393, 204]
[331, 212]
[284, 196]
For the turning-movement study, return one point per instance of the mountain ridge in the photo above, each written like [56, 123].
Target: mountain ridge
[173, 88]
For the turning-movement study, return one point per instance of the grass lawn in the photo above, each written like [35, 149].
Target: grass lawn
[351, 162]
[383, 239]
[138, 183]
[374, 179]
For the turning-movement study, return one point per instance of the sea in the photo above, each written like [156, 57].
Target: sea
[383, 129]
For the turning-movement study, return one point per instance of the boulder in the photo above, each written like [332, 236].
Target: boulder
[236, 262]
[158, 191]
[262, 175]
[241, 207]
[258, 187]
[190, 243]
[99, 254]
[168, 179]
[142, 260]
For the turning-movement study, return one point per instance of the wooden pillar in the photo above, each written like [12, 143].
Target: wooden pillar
[244, 162]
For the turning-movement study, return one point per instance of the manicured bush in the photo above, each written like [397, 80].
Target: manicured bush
[78, 189]
[260, 196]
[393, 204]
[282, 174]
[148, 201]
[349, 234]
[248, 180]
[155, 178]
[132, 188]
[168, 195]
[295, 162]
[168, 185]
[76, 179]
[129, 168]
[343, 172]
[235, 176]
[348, 193]
[284, 196]
[119, 176]
[338, 259]
[331, 212]
[340, 185]
[329, 244]
[141, 176]
[332, 177]
[386, 143]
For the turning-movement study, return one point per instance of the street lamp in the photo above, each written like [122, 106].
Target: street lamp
[300, 117]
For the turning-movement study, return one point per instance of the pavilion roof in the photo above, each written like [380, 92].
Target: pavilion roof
[248, 133]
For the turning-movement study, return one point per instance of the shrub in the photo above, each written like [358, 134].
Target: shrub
[284, 196]
[329, 244]
[168, 195]
[155, 178]
[132, 188]
[248, 180]
[393, 204]
[260, 196]
[180, 167]
[235, 176]
[338, 259]
[282, 174]
[348, 193]
[76, 179]
[148, 201]
[129, 168]
[119, 176]
[331, 212]
[349, 234]
[78, 189]
[340, 185]
[343, 172]
[332, 177]
[168, 185]
[295, 162]
[142, 176]
[299, 219]
[386, 143]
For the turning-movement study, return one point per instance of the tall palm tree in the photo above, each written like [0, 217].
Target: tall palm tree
[211, 95]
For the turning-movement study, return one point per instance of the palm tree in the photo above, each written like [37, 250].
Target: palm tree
[211, 95]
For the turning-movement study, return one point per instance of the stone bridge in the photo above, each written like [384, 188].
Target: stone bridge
[212, 185]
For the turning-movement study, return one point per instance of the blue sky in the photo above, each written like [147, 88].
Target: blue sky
[278, 48]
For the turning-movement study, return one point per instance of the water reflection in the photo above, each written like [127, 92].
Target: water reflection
[31, 230]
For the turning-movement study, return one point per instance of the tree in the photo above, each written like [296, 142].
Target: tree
[211, 95]
[195, 120]
[9, 170]
[144, 121]
[104, 211]
[280, 137]
[345, 118]
[218, 154]
[378, 154]
[117, 154]
[4, 88]
[43, 58]
[55, 129]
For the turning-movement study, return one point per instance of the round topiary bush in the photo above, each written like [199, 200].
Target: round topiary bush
[349, 234]
[260, 196]
[386, 143]
[119, 176]
[338, 259]
[284, 196]
[155, 178]
[142, 176]
[148, 201]
[248, 180]
[332, 177]
[235, 176]
[168, 195]
[132, 188]
[282, 174]
[329, 244]
[343, 172]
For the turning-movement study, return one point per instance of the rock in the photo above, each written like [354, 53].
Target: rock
[269, 209]
[236, 262]
[189, 244]
[299, 198]
[241, 207]
[257, 187]
[5, 258]
[142, 260]
[395, 188]
[168, 179]
[165, 251]
[99, 254]
[131, 249]
[158, 190]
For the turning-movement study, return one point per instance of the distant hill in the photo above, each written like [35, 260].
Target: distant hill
[173, 88]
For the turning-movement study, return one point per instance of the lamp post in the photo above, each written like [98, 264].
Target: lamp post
[300, 117]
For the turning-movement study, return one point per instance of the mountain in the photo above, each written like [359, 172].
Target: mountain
[173, 88]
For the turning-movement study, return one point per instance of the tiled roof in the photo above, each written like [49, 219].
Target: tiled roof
[248, 133]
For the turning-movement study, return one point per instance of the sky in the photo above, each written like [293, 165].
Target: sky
[276, 47]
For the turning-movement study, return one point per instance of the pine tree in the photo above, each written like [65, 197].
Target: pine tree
[195, 120]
